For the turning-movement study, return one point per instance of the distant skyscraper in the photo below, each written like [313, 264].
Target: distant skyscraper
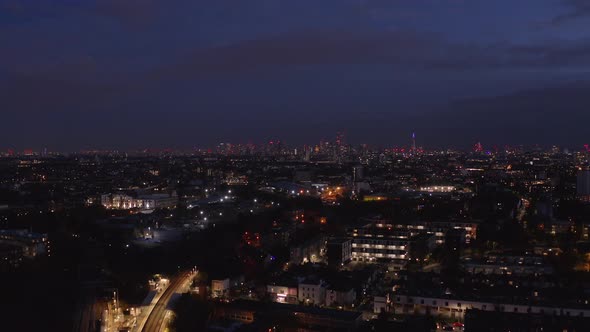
[357, 173]
[339, 139]
[583, 184]
[307, 155]
[478, 147]
[413, 142]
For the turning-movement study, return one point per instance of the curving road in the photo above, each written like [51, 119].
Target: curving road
[157, 316]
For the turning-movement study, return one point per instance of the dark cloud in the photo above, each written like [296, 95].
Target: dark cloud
[306, 48]
[564, 53]
[155, 72]
[133, 13]
[19, 11]
[551, 115]
[555, 114]
[577, 9]
[547, 56]
[405, 49]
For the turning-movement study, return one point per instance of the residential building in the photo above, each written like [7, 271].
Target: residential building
[455, 308]
[312, 291]
[283, 292]
[339, 251]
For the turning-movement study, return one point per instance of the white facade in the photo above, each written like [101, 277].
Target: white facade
[456, 308]
[370, 244]
[312, 293]
[121, 201]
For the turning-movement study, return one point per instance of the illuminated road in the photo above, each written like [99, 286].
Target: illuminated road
[157, 316]
[147, 310]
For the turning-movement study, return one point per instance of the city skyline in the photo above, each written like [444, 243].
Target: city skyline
[257, 146]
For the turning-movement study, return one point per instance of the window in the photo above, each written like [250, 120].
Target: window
[459, 305]
[446, 304]
[433, 302]
[421, 301]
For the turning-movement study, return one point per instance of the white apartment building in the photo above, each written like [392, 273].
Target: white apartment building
[456, 308]
[312, 292]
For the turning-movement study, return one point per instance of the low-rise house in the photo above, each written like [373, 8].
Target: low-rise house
[508, 264]
[455, 308]
[312, 291]
[283, 292]
[340, 296]
[381, 303]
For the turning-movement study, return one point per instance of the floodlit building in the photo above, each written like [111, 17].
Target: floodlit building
[455, 308]
[283, 293]
[380, 244]
[220, 288]
[312, 291]
[122, 201]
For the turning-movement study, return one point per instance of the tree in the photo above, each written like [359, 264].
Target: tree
[191, 314]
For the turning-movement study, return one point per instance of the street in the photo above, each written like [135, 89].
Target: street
[157, 314]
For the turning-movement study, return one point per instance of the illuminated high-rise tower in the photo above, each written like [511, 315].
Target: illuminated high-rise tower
[413, 142]
[478, 147]
[339, 139]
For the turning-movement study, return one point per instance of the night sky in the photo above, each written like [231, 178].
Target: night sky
[79, 74]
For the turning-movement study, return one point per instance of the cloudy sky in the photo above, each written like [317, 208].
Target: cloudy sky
[79, 74]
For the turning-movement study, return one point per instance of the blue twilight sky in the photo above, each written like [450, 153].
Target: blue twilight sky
[180, 73]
